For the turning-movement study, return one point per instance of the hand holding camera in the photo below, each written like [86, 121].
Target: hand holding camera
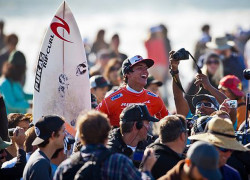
[174, 63]
[228, 105]
[19, 137]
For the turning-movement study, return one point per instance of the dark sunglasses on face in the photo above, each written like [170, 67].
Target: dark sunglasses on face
[212, 62]
[224, 149]
[205, 104]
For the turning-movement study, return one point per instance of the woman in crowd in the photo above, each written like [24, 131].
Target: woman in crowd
[99, 42]
[111, 71]
[12, 91]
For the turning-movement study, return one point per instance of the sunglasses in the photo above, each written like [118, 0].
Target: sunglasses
[224, 149]
[212, 62]
[205, 104]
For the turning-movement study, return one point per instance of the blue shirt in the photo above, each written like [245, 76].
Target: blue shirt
[229, 173]
[15, 99]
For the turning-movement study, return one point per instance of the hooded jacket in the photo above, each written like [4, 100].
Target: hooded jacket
[166, 159]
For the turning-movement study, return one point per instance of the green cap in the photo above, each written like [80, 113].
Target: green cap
[4, 144]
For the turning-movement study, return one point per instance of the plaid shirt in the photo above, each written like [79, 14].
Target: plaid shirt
[116, 167]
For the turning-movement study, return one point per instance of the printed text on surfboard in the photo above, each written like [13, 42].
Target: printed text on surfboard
[42, 63]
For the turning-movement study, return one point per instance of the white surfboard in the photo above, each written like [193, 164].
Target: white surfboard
[62, 79]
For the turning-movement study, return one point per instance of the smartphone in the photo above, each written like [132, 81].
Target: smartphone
[232, 103]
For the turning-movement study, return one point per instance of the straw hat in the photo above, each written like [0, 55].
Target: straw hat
[220, 132]
[220, 43]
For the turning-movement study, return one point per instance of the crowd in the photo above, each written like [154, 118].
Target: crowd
[130, 133]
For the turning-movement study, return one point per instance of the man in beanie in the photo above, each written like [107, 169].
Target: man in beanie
[231, 86]
[135, 73]
[201, 164]
[50, 132]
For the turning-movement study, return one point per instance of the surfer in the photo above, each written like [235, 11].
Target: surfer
[135, 72]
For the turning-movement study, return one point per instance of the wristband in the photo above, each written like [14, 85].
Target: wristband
[174, 72]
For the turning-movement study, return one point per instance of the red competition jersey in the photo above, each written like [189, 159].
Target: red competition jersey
[117, 101]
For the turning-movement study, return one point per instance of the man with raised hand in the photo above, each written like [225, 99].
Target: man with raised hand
[135, 73]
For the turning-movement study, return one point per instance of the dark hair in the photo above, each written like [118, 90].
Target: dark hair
[126, 127]
[12, 39]
[44, 143]
[100, 35]
[13, 72]
[55, 155]
[14, 119]
[93, 127]
[205, 28]
[115, 36]
[30, 137]
[171, 127]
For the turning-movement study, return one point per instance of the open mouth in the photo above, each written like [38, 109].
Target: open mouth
[144, 76]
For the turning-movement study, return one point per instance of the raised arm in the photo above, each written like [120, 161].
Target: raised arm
[181, 103]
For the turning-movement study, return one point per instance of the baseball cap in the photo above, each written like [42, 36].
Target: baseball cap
[207, 97]
[45, 126]
[98, 81]
[4, 144]
[206, 158]
[233, 83]
[128, 63]
[136, 112]
[152, 80]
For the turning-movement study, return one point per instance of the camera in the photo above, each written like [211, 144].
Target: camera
[232, 103]
[246, 74]
[11, 132]
[181, 54]
[243, 138]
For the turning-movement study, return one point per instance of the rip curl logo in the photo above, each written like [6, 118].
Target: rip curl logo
[37, 131]
[63, 25]
[81, 69]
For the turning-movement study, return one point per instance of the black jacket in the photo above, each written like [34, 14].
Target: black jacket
[117, 145]
[15, 172]
[166, 159]
[3, 121]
